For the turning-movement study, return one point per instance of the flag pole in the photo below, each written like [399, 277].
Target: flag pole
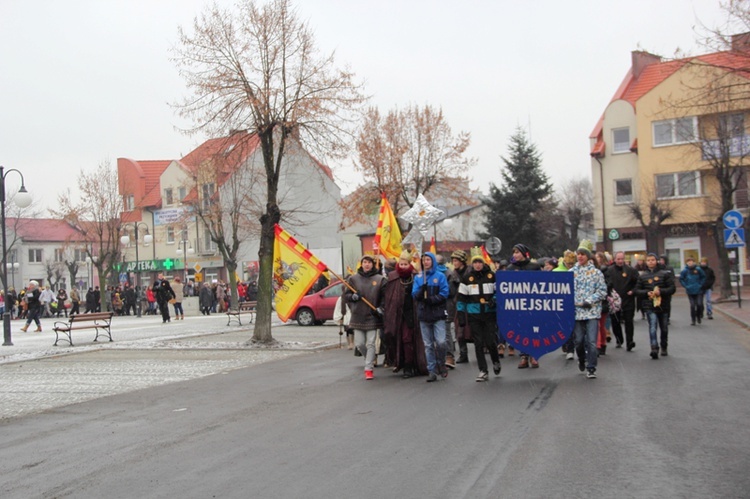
[353, 290]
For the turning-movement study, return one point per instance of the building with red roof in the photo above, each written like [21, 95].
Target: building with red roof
[165, 199]
[651, 148]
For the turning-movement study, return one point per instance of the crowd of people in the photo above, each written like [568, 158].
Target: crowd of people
[421, 315]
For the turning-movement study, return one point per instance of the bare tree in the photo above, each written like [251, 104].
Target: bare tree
[54, 271]
[97, 216]
[407, 153]
[651, 213]
[576, 204]
[256, 67]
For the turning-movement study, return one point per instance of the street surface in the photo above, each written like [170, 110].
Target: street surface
[308, 425]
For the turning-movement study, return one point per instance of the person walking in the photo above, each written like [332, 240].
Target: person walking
[206, 298]
[164, 293]
[521, 261]
[365, 290]
[75, 301]
[33, 306]
[708, 287]
[476, 308]
[405, 349]
[430, 290]
[62, 297]
[463, 334]
[151, 299]
[590, 289]
[179, 296]
[623, 279]
[654, 290]
[692, 278]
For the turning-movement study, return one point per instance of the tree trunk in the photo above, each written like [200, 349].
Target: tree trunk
[262, 331]
[232, 271]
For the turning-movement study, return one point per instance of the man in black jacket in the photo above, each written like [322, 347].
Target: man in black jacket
[708, 286]
[655, 289]
[623, 279]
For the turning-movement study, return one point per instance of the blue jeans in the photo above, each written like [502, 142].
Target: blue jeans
[661, 320]
[586, 332]
[709, 305]
[435, 346]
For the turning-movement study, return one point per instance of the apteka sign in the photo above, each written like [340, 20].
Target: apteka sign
[535, 310]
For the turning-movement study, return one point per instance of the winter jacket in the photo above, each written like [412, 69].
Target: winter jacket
[32, 299]
[650, 279]
[454, 281]
[163, 291]
[370, 286]
[476, 295]
[692, 279]
[179, 295]
[524, 265]
[430, 289]
[590, 289]
[710, 278]
[206, 297]
[624, 280]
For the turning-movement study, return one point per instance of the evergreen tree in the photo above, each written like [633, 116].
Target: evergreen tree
[520, 209]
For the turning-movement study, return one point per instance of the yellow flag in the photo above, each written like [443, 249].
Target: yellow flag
[295, 270]
[388, 235]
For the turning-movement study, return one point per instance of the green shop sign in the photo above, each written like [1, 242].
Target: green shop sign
[166, 265]
[614, 235]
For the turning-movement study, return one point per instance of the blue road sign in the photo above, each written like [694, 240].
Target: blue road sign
[734, 238]
[733, 219]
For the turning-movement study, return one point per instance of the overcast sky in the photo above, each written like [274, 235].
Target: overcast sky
[82, 82]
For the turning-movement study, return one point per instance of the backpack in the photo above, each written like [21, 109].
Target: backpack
[614, 301]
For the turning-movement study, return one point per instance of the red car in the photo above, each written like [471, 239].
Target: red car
[318, 307]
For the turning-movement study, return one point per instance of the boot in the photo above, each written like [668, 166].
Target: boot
[462, 359]
[511, 351]
[654, 352]
[524, 362]
[25, 328]
[450, 363]
[38, 329]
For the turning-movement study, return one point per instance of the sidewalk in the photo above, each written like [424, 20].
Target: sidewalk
[734, 312]
[36, 376]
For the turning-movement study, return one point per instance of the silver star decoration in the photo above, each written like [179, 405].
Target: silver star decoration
[422, 216]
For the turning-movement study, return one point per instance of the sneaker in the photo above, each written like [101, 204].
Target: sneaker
[369, 375]
[450, 363]
[602, 350]
[664, 352]
[501, 351]
[496, 368]
[534, 363]
[655, 353]
[443, 372]
[591, 374]
[431, 377]
[511, 351]
[524, 363]
[569, 356]
[462, 359]
[619, 345]
[631, 346]
[582, 365]
[482, 376]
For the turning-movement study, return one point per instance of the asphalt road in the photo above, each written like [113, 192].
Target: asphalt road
[310, 426]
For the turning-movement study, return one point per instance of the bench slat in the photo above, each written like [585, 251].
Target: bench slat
[96, 320]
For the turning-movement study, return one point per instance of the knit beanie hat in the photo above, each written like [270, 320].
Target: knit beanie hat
[459, 255]
[585, 248]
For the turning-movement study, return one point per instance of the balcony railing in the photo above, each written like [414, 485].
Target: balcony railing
[736, 146]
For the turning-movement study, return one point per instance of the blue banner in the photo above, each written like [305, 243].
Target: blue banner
[535, 310]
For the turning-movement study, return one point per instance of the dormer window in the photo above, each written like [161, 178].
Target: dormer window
[168, 196]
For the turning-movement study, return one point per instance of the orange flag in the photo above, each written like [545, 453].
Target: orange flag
[486, 256]
[295, 270]
[433, 248]
[388, 235]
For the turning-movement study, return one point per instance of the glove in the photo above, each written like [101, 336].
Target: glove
[585, 305]
[377, 313]
[355, 297]
[461, 320]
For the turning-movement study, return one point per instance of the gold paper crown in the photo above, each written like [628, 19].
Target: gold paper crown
[476, 253]
[585, 243]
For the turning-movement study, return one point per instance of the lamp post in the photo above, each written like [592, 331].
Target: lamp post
[12, 267]
[147, 239]
[185, 251]
[22, 199]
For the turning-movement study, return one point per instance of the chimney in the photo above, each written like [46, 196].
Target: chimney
[741, 42]
[642, 59]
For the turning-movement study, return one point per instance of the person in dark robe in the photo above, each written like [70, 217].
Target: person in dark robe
[404, 347]
[163, 291]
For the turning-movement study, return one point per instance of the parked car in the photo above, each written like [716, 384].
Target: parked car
[318, 307]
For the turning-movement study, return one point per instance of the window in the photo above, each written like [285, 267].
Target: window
[208, 192]
[623, 191]
[170, 235]
[59, 255]
[129, 202]
[79, 255]
[35, 256]
[183, 193]
[168, 198]
[675, 131]
[678, 185]
[621, 139]
[731, 125]
[208, 244]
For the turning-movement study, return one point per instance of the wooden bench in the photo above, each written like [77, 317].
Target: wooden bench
[246, 307]
[96, 320]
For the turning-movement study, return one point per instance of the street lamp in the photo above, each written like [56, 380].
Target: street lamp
[147, 239]
[22, 199]
[185, 251]
[12, 267]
